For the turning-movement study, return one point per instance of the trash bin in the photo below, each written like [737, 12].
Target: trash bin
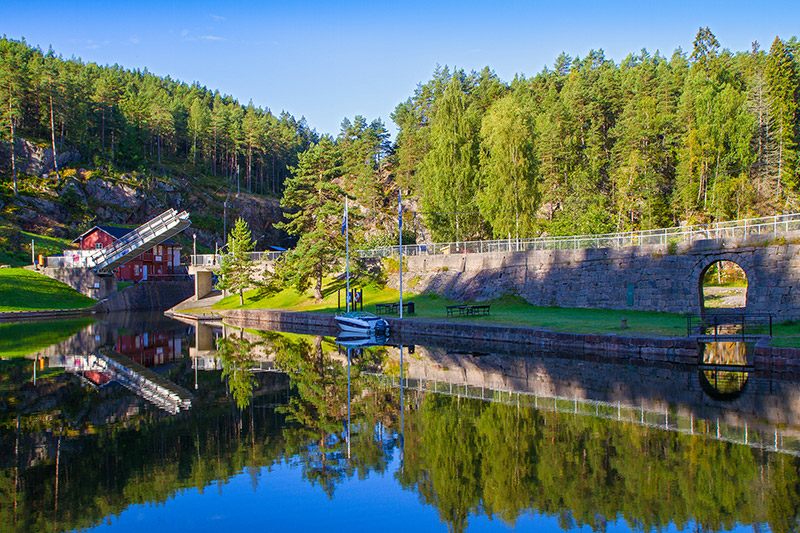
[410, 308]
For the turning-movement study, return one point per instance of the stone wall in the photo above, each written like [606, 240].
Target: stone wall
[85, 281]
[149, 295]
[644, 278]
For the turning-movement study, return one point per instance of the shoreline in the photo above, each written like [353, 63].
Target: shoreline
[48, 314]
[682, 351]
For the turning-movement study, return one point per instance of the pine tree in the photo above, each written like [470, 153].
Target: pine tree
[314, 205]
[237, 268]
[784, 85]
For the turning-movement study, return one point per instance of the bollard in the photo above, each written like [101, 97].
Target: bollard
[624, 323]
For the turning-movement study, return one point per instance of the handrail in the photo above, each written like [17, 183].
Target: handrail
[211, 260]
[748, 324]
[717, 230]
[777, 440]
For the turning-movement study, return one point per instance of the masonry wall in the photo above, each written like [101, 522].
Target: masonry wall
[645, 278]
[85, 281]
[150, 295]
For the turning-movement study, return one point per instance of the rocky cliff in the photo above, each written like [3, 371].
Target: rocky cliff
[82, 198]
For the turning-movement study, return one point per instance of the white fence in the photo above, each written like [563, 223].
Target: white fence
[718, 230]
[214, 260]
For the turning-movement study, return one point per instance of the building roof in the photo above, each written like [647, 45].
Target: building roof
[117, 233]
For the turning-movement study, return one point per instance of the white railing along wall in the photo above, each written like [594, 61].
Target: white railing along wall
[718, 230]
[214, 260]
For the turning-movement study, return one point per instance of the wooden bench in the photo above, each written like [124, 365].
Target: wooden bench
[393, 308]
[478, 310]
[467, 310]
[385, 309]
[456, 310]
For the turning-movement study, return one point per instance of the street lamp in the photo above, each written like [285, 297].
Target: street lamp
[194, 249]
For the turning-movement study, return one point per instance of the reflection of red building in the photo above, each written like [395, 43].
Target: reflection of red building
[150, 349]
[158, 263]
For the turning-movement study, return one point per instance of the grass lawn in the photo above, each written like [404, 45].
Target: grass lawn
[24, 290]
[21, 338]
[508, 310]
[786, 335]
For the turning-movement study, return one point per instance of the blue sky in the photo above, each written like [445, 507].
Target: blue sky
[330, 60]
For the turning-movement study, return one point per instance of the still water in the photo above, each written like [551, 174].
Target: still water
[139, 422]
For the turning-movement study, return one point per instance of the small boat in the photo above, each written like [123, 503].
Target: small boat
[362, 322]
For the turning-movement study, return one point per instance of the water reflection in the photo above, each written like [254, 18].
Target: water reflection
[511, 438]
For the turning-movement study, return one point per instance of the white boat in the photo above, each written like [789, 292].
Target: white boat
[362, 322]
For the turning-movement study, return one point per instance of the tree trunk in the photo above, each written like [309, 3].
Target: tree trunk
[53, 138]
[318, 286]
[13, 151]
[249, 167]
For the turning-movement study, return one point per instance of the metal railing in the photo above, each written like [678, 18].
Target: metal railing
[214, 260]
[727, 326]
[144, 237]
[718, 230]
[774, 439]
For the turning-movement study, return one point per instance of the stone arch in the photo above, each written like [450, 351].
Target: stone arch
[706, 262]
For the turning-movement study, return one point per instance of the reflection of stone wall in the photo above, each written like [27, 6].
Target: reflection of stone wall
[609, 278]
[83, 342]
[677, 391]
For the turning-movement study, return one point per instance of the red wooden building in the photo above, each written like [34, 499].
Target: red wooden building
[159, 263]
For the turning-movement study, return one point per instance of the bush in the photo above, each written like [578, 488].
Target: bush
[672, 247]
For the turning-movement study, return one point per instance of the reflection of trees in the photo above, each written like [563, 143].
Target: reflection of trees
[237, 361]
[319, 409]
[467, 457]
[105, 471]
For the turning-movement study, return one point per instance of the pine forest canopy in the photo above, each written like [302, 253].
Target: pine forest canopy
[134, 120]
[589, 146]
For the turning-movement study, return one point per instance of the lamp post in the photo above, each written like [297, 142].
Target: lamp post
[194, 249]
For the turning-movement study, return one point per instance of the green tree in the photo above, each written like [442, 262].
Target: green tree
[14, 80]
[784, 90]
[237, 267]
[508, 195]
[238, 359]
[449, 172]
[313, 202]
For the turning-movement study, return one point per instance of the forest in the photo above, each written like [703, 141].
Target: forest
[133, 120]
[587, 146]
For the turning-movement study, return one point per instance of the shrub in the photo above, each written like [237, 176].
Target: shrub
[672, 247]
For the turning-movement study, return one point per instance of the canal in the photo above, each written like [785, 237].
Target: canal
[137, 421]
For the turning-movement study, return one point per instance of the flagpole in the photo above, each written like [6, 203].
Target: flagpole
[400, 231]
[347, 253]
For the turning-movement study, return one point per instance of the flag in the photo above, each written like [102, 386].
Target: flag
[344, 220]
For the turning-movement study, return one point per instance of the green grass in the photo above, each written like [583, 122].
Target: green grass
[508, 310]
[24, 290]
[786, 335]
[16, 246]
[18, 339]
